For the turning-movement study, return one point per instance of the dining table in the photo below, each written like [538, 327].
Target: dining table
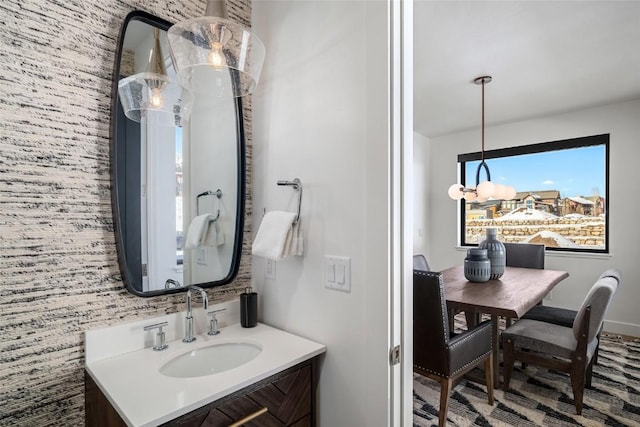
[510, 296]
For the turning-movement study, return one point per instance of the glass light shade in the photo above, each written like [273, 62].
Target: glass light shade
[499, 192]
[150, 94]
[480, 199]
[455, 192]
[206, 49]
[510, 193]
[485, 189]
[470, 196]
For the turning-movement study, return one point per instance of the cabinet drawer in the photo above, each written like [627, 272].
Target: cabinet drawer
[287, 398]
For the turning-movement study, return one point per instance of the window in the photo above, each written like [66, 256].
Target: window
[179, 192]
[562, 195]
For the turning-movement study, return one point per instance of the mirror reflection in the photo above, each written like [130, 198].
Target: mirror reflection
[177, 170]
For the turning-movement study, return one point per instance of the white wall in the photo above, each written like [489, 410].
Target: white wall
[421, 200]
[621, 122]
[320, 114]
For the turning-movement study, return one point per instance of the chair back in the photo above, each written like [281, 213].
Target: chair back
[524, 255]
[611, 273]
[420, 263]
[430, 322]
[598, 298]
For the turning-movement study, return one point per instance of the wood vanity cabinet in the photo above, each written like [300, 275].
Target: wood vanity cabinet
[288, 396]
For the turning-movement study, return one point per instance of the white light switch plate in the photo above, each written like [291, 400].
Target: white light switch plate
[337, 271]
[201, 256]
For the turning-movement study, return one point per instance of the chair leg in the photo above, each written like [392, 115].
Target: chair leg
[577, 383]
[589, 376]
[488, 373]
[508, 359]
[595, 354]
[445, 391]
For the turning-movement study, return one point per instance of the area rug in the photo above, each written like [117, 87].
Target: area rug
[539, 397]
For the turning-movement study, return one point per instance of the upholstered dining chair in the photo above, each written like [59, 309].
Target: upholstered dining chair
[420, 263]
[439, 354]
[561, 348]
[523, 255]
[564, 316]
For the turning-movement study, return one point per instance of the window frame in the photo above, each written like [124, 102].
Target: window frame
[558, 145]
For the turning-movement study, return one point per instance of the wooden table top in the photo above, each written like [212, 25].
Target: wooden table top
[515, 293]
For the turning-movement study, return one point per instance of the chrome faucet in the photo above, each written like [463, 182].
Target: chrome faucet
[188, 330]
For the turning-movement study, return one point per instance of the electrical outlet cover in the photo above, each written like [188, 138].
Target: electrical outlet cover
[270, 269]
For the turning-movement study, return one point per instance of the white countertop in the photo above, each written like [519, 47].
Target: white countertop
[144, 397]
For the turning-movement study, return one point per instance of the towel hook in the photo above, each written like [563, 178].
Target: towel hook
[297, 185]
[217, 193]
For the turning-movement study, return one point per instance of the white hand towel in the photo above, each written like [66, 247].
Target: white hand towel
[293, 244]
[299, 241]
[275, 231]
[198, 230]
[219, 234]
[215, 235]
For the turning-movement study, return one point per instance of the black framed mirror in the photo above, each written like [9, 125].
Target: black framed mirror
[177, 191]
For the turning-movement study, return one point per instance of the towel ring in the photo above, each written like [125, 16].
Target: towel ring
[297, 185]
[217, 193]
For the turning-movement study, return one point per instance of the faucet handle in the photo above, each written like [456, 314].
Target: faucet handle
[213, 323]
[158, 343]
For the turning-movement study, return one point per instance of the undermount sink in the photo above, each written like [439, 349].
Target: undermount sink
[210, 360]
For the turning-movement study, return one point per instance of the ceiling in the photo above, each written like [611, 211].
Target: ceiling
[545, 57]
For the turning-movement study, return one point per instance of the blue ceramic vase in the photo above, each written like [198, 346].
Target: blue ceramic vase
[477, 267]
[495, 251]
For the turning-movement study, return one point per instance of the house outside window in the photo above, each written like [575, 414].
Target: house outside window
[562, 198]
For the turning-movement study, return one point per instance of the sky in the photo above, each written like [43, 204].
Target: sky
[573, 172]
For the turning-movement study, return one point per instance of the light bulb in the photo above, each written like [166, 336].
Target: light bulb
[455, 192]
[485, 189]
[470, 196]
[156, 100]
[499, 191]
[510, 193]
[216, 56]
[481, 199]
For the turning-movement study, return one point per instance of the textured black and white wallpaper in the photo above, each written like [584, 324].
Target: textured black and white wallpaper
[59, 272]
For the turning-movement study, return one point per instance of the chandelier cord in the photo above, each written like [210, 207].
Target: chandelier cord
[483, 120]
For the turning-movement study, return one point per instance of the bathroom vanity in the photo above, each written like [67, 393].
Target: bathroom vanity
[217, 379]
[173, 387]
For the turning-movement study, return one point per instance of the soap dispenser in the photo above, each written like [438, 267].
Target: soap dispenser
[248, 308]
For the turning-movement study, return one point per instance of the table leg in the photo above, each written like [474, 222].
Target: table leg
[496, 350]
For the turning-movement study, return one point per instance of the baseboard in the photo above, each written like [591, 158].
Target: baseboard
[621, 328]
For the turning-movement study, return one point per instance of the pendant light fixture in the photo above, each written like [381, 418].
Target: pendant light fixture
[216, 55]
[485, 190]
[153, 94]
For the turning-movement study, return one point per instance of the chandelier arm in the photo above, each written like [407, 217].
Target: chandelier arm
[486, 169]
